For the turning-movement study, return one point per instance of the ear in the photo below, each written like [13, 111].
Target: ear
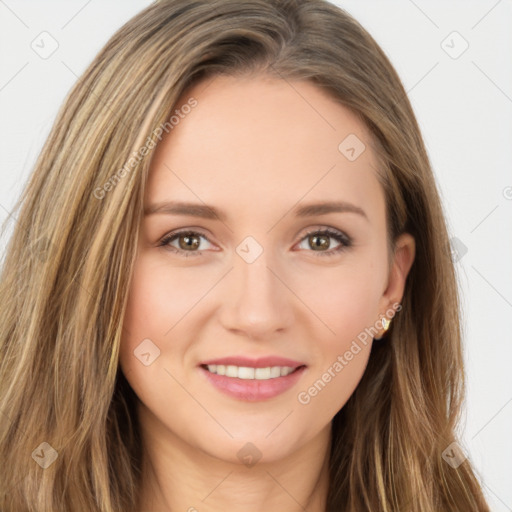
[405, 250]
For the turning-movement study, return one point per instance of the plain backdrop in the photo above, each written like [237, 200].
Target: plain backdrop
[454, 59]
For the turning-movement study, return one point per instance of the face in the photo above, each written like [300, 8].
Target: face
[259, 282]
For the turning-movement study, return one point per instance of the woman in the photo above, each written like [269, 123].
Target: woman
[230, 283]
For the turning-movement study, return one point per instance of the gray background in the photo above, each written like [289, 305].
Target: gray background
[463, 102]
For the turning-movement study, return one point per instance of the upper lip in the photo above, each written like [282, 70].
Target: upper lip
[260, 362]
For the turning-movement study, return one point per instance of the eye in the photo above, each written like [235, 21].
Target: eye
[188, 242]
[319, 239]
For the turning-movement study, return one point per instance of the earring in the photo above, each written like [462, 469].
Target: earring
[385, 326]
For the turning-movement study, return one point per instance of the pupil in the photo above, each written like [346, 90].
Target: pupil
[324, 241]
[187, 243]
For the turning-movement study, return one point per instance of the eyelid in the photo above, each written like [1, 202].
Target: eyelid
[323, 228]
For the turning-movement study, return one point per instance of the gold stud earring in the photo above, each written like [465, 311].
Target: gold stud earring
[385, 326]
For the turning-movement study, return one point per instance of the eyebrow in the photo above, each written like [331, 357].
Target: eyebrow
[210, 212]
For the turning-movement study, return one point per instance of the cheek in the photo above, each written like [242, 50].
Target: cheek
[329, 390]
[148, 317]
[342, 356]
[159, 299]
[160, 303]
[344, 299]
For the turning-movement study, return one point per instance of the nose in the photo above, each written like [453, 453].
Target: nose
[258, 303]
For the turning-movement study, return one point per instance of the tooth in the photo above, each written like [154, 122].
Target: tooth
[245, 373]
[262, 373]
[249, 373]
[231, 371]
[286, 370]
[275, 371]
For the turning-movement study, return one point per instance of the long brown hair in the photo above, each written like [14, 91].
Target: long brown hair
[67, 268]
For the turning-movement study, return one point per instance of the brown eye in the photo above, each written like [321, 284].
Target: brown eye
[319, 242]
[188, 242]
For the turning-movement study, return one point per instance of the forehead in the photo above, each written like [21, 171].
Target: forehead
[266, 142]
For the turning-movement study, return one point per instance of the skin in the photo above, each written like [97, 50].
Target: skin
[255, 148]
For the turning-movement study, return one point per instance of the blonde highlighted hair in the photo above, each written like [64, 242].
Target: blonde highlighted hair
[67, 268]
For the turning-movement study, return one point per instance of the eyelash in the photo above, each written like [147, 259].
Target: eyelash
[345, 241]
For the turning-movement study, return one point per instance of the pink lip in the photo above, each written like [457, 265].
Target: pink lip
[261, 362]
[253, 390]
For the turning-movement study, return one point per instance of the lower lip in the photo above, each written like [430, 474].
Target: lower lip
[253, 390]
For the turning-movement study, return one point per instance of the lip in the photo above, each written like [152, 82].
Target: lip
[253, 390]
[260, 362]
